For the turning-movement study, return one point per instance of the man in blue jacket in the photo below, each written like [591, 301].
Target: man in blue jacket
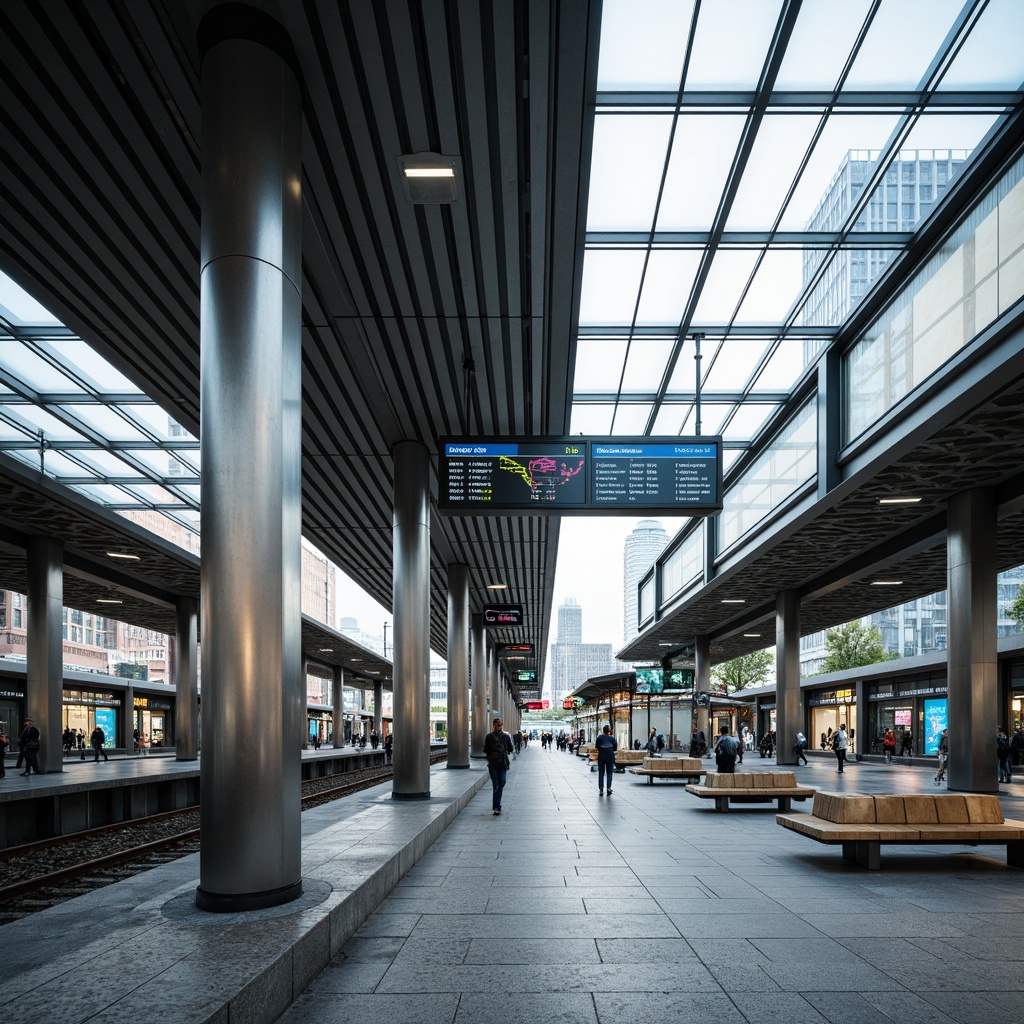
[606, 747]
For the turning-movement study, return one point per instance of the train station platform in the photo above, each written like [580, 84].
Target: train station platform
[569, 907]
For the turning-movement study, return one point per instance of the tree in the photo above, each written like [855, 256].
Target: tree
[853, 645]
[1016, 610]
[747, 670]
[132, 670]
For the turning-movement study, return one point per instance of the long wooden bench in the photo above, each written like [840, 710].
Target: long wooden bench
[751, 788]
[688, 768]
[623, 758]
[861, 822]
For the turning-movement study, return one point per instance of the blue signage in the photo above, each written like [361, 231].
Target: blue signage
[105, 720]
[936, 718]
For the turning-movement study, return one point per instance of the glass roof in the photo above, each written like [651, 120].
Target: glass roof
[65, 409]
[756, 166]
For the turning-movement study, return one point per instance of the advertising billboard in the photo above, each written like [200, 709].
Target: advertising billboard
[936, 718]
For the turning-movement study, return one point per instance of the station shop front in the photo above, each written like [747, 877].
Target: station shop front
[827, 710]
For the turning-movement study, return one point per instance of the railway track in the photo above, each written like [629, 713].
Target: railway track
[42, 874]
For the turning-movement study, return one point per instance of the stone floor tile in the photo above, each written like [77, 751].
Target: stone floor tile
[773, 1007]
[340, 976]
[440, 1008]
[533, 951]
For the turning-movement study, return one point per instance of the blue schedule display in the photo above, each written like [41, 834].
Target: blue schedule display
[678, 474]
[597, 476]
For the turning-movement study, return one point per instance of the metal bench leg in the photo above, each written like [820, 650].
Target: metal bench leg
[1015, 855]
[785, 805]
[650, 780]
[869, 854]
[721, 803]
[850, 852]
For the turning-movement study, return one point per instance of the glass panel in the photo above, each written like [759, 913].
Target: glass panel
[711, 416]
[901, 43]
[153, 418]
[631, 420]
[159, 462]
[165, 526]
[21, 305]
[684, 376]
[778, 150]
[729, 273]
[734, 364]
[190, 457]
[774, 289]
[626, 169]
[731, 44]
[645, 365]
[76, 353]
[20, 361]
[106, 422]
[155, 494]
[955, 134]
[58, 465]
[105, 494]
[992, 56]
[667, 284]
[611, 282]
[787, 364]
[38, 420]
[10, 432]
[669, 421]
[591, 419]
[977, 274]
[822, 40]
[598, 365]
[643, 43]
[694, 186]
[827, 184]
[684, 565]
[107, 463]
[190, 491]
[781, 469]
[729, 457]
[748, 421]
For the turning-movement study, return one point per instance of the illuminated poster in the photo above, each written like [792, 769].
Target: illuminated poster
[936, 718]
[105, 720]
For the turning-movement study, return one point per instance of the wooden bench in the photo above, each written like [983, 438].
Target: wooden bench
[688, 768]
[860, 823]
[622, 759]
[751, 788]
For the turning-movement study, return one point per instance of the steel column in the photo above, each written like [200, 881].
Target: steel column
[789, 705]
[337, 706]
[702, 684]
[303, 737]
[378, 709]
[44, 679]
[251, 381]
[973, 708]
[479, 677]
[186, 683]
[411, 597]
[458, 666]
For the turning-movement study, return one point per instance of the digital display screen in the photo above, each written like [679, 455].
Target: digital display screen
[506, 615]
[674, 476]
[655, 474]
[936, 718]
[902, 716]
[105, 720]
[655, 681]
[530, 475]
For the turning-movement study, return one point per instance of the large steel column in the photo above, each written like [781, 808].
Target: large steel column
[973, 708]
[479, 677]
[789, 705]
[186, 683]
[303, 736]
[337, 703]
[411, 597]
[251, 379]
[458, 666]
[128, 718]
[494, 686]
[378, 709]
[702, 684]
[44, 681]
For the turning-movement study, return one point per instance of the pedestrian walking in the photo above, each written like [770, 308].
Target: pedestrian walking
[388, 746]
[1003, 756]
[606, 746]
[800, 748]
[889, 745]
[940, 775]
[97, 741]
[839, 744]
[4, 747]
[726, 750]
[30, 747]
[497, 747]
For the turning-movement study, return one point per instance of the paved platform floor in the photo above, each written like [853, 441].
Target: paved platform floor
[650, 906]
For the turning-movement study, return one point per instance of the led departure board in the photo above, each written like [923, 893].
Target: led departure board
[678, 476]
[646, 474]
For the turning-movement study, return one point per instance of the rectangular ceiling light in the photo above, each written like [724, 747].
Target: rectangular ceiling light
[429, 178]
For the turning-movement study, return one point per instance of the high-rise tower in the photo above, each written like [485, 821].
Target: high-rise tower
[642, 547]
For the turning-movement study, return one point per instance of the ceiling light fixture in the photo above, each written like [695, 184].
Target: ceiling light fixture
[124, 556]
[734, 600]
[898, 501]
[109, 600]
[497, 586]
[887, 583]
[752, 636]
[326, 650]
[429, 178]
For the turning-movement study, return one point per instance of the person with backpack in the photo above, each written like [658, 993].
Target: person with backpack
[839, 745]
[889, 745]
[726, 750]
[606, 746]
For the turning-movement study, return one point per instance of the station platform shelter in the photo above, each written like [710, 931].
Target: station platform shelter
[569, 906]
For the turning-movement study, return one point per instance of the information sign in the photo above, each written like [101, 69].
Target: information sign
[586, 475]
[526, 676]
[503, 615]
[538, 705]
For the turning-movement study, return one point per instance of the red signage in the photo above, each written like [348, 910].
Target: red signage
[538, 705]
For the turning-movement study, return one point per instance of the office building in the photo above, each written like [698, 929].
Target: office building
[573, 662]
[642, 547]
